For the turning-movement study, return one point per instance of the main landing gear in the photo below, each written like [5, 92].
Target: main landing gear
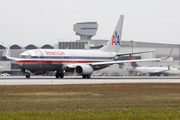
[28, 75]
[86, 76]
[61, 74]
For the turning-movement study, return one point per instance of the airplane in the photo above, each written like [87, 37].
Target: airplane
[82, 62]
[154, 71]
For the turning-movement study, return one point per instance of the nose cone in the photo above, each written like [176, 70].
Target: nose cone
[20, 65]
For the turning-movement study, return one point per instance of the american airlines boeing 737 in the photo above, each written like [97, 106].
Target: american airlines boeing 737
[82, 62]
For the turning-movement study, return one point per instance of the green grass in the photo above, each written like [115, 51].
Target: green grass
[138, 114]
[94, 101]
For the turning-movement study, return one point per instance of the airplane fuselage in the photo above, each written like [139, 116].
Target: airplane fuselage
[174, 71]
[57, 59]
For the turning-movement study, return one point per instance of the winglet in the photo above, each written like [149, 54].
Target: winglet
[8, 54]
[168, 54]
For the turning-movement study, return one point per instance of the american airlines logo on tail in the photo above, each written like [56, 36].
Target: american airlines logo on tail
[115, 39]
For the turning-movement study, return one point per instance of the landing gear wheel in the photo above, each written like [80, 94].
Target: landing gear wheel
[86, 76]
[57, 75]
[27, 75]
[61, 75]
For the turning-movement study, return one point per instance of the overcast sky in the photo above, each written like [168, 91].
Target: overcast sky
[47, 21]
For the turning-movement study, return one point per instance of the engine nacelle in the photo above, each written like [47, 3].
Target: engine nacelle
[83, 70]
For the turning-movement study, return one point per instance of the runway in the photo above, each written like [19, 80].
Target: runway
[51, 80]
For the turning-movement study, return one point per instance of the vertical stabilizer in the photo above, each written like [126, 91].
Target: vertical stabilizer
[133, 64]
[113, 44]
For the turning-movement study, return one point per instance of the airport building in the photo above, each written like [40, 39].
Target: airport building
[86, 31]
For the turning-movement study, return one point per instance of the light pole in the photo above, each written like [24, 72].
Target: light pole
[179, 55]
[132, 52]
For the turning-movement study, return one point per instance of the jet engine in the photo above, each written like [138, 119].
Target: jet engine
[83, 70]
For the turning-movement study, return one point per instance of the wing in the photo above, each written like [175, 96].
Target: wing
[123, 54]
[124, 61]
[111, 62]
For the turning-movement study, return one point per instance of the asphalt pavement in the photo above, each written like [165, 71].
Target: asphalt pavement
[51, 80]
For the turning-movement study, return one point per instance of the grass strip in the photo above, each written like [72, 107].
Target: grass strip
[92, 101]
[128, 114]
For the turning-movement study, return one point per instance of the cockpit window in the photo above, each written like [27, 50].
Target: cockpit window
[25, 56]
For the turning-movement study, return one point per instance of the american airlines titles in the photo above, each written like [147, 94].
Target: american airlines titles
[54, 53]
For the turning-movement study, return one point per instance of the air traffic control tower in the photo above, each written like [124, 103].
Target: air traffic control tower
[85, 30]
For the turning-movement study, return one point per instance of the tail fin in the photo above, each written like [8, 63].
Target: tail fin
[113, 44]
[133, 64]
